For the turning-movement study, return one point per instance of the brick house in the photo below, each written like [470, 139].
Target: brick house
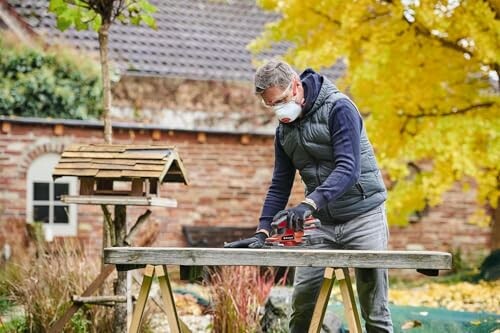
[187, 84]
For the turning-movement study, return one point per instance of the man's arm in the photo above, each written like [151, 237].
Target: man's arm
[345, 125]
[280, 189]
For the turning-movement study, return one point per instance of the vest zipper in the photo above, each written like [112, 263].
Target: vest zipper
[312, 156]
[360, 188]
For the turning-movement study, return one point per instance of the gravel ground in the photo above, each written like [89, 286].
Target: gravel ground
[201, 323]
[197, 324]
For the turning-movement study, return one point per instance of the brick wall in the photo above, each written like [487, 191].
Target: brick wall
[217, 100]
[228, 176]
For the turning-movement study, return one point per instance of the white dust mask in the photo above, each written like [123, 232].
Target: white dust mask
[287, 112]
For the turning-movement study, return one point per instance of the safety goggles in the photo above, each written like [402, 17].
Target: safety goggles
[280, 100]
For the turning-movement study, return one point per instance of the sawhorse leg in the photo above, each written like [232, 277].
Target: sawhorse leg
[176, 325]
[351, 311]
[141, 300]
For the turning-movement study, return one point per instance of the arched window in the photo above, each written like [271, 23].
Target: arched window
[44, 198]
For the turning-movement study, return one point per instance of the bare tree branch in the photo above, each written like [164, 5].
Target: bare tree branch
[135, 228]
[109, 224]
[451, 113]
[81, 4]
[323, 15]
[495, 7]
[376, 16]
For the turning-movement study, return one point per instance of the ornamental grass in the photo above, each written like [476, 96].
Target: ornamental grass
[238, 295]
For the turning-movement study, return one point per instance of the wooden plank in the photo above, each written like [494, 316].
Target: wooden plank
[107, 148]
[278, 257]
[123, 161]
[137, 187]
[99, 299]
[173, 166]
[322, 301]
[113, 193]
[87, 185]
[87, 165]
[153, 186]
[148, 167]
[162, 202]
[119, 200]
[126, 174]
[111, 166]
[75, 160]
[74, 172]
[142, 299]
[61, 322]
[104, 184]
[168, 298]
[73, 147]
[139, 156]
[168, 163]
[144, 174]
[114, 174]
[104, 147]
[152, 147]
[350, 309]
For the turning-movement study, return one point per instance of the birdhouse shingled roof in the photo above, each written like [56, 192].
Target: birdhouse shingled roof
[122, 162]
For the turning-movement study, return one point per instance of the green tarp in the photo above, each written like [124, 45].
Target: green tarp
[435, 320]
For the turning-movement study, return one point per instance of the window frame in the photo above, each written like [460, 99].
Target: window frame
[40, 170]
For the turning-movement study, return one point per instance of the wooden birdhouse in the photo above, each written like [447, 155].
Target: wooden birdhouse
[121, 174]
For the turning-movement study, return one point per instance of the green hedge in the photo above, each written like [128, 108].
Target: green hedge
[56, 83]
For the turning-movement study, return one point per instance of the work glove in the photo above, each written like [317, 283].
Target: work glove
[254, 242]
[295, 216]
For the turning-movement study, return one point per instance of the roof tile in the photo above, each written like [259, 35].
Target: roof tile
[196, 39]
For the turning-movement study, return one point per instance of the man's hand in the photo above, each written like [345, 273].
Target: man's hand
[254, 242]
[295, 216]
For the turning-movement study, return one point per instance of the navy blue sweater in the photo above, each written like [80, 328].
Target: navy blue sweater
[345, 125]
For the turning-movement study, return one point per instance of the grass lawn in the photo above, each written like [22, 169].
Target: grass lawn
[434, 320]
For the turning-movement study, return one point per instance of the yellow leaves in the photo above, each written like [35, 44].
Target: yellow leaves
[480, 218]
[411, 324]
[463, 296]
[268, 4]
[420, 70]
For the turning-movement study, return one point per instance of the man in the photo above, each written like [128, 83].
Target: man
[321, 134]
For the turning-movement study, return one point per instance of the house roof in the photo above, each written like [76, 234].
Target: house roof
[122, 162]
[196, 39]
[10, 19]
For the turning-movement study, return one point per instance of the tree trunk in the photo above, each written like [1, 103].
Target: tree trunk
[116, 238]
[106, 83]
[495, 228]
[103, 34]
[120, 285]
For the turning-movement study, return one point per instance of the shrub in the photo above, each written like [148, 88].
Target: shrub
[54, 83]
[15, 325]
[43, 285]
[238, 294]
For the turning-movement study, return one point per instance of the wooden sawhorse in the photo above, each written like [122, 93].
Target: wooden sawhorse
[337, 263]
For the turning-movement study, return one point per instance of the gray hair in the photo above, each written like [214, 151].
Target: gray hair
[273, 73]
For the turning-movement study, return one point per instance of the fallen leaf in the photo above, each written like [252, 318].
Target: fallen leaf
[411, 324]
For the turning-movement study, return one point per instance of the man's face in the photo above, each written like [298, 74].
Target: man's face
[273, 96]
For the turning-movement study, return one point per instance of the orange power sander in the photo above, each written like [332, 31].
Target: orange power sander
[284, 234]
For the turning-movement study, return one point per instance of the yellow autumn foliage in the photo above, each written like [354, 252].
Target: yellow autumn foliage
[462, 296]
[425, 75]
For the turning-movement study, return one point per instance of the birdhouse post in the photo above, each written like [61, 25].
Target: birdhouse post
[120, 175]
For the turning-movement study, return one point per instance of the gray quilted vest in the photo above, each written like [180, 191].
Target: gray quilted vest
[308, 143]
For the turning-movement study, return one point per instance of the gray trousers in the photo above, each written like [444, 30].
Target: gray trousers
[366, 232]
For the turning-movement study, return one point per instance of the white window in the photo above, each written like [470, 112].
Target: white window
[44, 198]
